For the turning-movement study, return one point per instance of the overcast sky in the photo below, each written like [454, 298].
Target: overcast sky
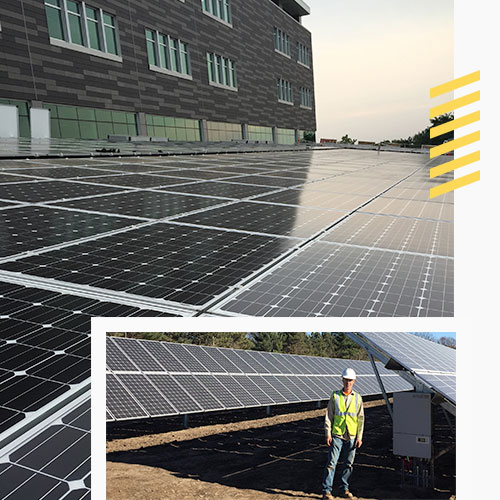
[374, 63]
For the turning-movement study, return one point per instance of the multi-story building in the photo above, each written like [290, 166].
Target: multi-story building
[182, 69]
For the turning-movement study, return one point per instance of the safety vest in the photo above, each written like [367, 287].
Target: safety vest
[343, 417]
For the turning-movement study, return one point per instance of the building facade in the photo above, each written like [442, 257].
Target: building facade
[181, 69]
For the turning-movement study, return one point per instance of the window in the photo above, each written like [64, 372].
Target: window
[80, 25]
[285, 94]
[281, 42]
[305, 97]
[54, 18]
[167, 54]
[220, 9]
[221, 71]
[303, 55]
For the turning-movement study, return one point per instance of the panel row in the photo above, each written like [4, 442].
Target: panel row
[132, 355]
[139, 395]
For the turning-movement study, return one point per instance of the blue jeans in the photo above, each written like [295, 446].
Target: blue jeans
[344, 450]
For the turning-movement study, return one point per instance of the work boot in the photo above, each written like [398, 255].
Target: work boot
[347, 494]
[328, 496]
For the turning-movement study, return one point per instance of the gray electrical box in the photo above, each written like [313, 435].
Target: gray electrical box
[412, 426]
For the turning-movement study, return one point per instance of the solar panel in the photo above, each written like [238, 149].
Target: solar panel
[151, 388]
[54, 461]
[326, 279]
[146, 204]
[431, 363]
[266, 218]
[172, 262]
[293, 194]
[39, 191]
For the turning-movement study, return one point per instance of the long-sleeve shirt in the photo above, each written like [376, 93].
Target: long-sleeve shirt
[330, 411]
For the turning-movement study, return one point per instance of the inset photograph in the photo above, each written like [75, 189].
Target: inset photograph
[365, 415]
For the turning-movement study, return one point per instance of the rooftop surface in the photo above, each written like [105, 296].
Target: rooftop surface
[290, 233]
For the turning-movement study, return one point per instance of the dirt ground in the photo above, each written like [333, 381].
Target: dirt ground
[257, 457]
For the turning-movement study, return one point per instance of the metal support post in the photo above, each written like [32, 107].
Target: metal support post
[380, 383]
[186, 421]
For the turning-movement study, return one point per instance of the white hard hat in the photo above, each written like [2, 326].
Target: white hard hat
[349, 374]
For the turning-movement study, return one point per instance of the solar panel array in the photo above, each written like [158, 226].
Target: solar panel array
[45, 365]
[154, 379]
[432, 363]
[306, 233]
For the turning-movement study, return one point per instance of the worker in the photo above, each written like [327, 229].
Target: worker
[344, 423]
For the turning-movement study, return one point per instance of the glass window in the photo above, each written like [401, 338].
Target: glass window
[75, 26]
[285, 92]
[163, 48]
[221, 70]
[174, 55]
[151, 47]
[110, 33]
[185, 66]
[89, 27]
[93, 27]
[218, 8]
[54, 18]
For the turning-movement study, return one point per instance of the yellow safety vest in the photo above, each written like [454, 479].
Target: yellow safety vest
[343, 417]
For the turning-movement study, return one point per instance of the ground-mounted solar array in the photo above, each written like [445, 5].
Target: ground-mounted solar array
[291, 233]
[156, 379]
[430, 363]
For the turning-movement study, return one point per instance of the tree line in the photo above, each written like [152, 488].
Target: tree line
[331, 345]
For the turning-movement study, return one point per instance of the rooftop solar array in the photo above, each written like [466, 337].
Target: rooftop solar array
[154, 379]
[431, 363]
[302, 233]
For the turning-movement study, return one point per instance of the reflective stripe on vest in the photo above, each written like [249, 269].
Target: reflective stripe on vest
[343, 416]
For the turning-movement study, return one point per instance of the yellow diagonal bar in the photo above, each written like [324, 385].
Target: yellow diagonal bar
[454, 164]
[454, 124]
[449, 106]
[454, 184]
[455, 144]
[455, 84]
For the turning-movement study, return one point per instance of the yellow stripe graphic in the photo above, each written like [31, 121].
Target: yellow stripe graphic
[455, 84]
[454, 164]
[456, 143]
[454, 124]
[454, 104]
[454, 184]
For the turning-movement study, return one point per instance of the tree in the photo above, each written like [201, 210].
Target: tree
[347, 140]
[269, 342]
[424, 136]
[296, 343]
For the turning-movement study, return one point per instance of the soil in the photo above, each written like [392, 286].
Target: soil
[257, 457]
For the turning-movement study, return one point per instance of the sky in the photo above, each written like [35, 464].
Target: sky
[374, 63]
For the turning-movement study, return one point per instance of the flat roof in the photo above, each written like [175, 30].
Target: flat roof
[300, 233]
